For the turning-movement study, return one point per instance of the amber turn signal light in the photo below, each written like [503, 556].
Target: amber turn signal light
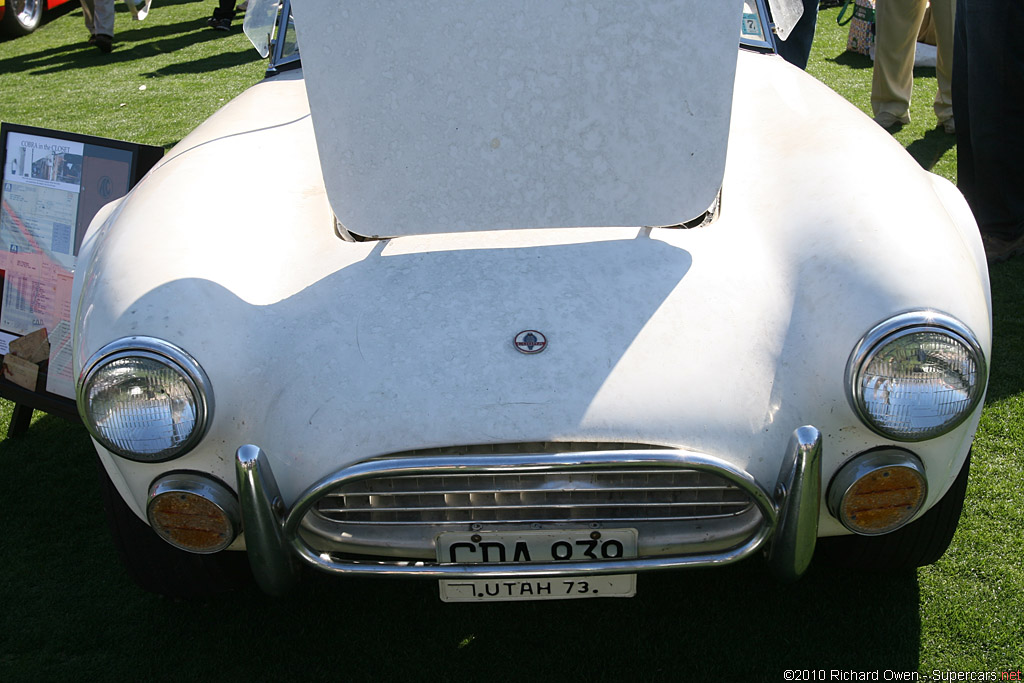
[193, 512]
[878, 491]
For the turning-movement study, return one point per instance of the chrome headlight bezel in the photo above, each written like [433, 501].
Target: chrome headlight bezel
[169, 355]
[894, 329]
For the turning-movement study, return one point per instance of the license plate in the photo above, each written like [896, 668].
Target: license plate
[550, 546]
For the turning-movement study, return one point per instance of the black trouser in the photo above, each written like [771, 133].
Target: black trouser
[797, 47]
[988, 107]
[225, 10]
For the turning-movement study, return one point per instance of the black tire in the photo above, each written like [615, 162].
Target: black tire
[21, 23]
[161, 568]
[920, 543]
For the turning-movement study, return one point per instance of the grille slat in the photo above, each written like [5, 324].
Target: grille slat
[446, 492]
[543, 473]
[618, 505]
[609, 494]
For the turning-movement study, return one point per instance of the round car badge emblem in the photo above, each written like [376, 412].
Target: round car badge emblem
[530, 341]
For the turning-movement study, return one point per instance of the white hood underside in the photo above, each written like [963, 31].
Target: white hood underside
[457, 115]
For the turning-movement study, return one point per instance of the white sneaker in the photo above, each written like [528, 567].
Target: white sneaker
[139, 8]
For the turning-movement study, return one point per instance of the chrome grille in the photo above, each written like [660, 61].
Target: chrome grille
[570, 495]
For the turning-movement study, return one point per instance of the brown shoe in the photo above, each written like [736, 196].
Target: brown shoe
[998, 250]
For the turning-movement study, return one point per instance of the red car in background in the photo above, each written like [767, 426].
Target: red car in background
[21, 17]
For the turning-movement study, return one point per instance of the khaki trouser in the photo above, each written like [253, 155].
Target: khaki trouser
[897, 23]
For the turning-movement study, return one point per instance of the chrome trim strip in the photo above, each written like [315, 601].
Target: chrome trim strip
[404, 543]
[899, 325]
[605, 489]
[565, 506]
[500, 570]
[271, 562]
[798, 493]
[165, 352]
[537, 463]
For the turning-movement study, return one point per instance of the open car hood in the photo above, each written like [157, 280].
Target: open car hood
[459, 115]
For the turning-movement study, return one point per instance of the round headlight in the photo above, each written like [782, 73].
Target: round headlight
[144, 399]
[916, 376]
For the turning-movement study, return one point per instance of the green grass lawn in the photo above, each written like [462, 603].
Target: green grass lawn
[68, 612]
[165, 75]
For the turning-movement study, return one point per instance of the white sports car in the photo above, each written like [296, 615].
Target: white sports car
[529, 298]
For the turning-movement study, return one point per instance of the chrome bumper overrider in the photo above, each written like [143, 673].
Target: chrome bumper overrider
[788, 530]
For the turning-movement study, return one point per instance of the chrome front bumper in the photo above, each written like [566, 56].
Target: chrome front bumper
[788, 529]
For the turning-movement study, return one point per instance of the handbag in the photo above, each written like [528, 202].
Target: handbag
[862, 26]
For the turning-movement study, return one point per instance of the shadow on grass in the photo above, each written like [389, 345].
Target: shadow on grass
[930, 148]
[1007, 369]
[70, 611]
[213, 63]
[140, 42]
[853, 60]
[924, 72]
[693, 625]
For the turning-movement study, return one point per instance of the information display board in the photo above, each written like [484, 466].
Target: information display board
[53, 184]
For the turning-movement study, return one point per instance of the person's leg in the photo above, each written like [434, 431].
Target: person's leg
[223, 15]
[104, 17]
[992, 141]
[965, 178]
[139, 8]
[896, 26]
[944, 17]
[797, 47]
[99, 20]
[89, 13]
